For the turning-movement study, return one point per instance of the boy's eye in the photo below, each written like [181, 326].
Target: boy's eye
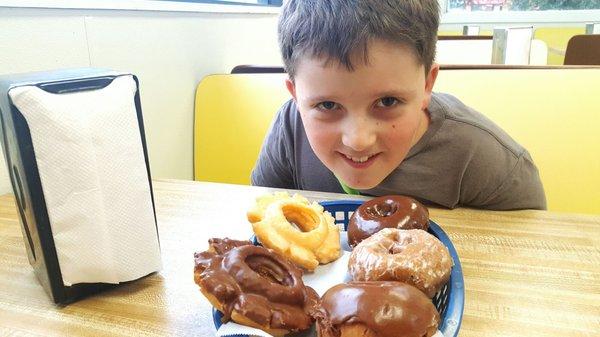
[387, 102]
[327, 105]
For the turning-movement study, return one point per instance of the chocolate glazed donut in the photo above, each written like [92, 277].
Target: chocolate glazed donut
[253, 286]
[390, 211]
[376, 309]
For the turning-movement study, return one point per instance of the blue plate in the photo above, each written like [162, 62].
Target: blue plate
[449, 301]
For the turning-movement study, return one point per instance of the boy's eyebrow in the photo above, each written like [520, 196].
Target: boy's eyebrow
[386, 93]
[321, 98]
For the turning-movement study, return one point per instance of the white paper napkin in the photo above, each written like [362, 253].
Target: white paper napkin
[91, 163]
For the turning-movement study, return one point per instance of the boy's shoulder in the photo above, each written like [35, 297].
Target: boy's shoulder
[456, 122]
[288, 115]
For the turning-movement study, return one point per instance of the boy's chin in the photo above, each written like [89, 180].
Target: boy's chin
[362, 185]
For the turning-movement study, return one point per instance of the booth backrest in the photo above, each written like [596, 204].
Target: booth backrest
[554, 113]
[583, 50]
[232, 115]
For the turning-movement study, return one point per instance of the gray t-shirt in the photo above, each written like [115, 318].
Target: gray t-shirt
[463, 159]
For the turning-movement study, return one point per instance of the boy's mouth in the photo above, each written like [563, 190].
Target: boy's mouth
[359, 162]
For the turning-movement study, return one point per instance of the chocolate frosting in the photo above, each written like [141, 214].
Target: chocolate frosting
[391, 211]
[390, 309]
[257, 283]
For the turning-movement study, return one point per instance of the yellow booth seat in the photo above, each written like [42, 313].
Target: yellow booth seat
[554, 113]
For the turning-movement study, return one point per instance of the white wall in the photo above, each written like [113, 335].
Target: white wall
[170, 52]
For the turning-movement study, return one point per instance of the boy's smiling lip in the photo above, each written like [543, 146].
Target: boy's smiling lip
[359, 162]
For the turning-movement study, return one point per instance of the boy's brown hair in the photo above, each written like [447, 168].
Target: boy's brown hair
[340, 29]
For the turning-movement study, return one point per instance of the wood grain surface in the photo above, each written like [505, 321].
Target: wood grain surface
[527, 273]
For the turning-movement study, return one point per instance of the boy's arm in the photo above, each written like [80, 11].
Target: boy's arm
[274, 167]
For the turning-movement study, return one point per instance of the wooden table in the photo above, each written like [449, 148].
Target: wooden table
[527, 273]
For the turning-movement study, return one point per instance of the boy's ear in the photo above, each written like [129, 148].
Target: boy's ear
[429, 82]
[291, 87]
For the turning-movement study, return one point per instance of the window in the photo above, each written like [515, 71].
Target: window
[520, 11]
[236, 2]
[202, 6]
[521, 5]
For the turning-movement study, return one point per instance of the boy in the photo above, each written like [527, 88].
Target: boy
[363, 118]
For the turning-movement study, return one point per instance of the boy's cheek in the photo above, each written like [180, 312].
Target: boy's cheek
[322, 139]
[314, 126]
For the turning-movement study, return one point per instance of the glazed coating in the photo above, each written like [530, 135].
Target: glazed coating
[293, 227]
[380, 308]
[254, 286]
[391, 211]
[411, 256]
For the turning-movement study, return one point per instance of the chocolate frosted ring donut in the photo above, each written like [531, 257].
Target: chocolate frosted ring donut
[382, 309]
[254, 286]
[391, 211]
[411, 256]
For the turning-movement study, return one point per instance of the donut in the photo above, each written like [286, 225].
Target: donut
[376, 309]
[301, 231]
[391, 211]
[253, 286]
[412, 256]
[257, 211]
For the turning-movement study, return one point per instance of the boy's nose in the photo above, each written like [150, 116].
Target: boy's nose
[358, 135]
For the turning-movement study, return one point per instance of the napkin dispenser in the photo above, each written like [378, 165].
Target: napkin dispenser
[76, 154]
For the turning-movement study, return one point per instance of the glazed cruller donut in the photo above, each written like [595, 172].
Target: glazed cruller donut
[411, 256]
[254, 286]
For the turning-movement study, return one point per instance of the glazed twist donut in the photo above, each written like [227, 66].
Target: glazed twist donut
[390, 211]
[411, 256]
[293, 227]
[254, 286]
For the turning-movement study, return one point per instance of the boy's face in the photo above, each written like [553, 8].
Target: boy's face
[362, 123]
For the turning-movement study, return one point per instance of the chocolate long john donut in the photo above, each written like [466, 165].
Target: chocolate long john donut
[390, 211]
[383, 308]
[255, 283]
